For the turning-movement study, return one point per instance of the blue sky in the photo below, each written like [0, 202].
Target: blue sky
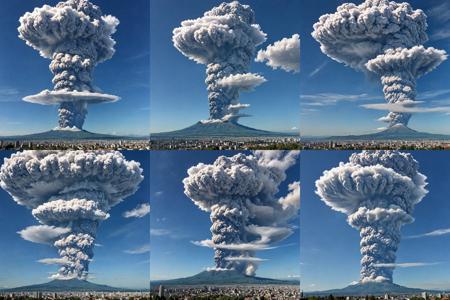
[177, 222]
[23, 72]
[111, 264]
[320, 74]
[330, 247]
[178, 90]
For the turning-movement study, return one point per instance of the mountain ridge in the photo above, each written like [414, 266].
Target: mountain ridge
[217, 129]
[67, 135]
[396, 132]
[222, 278]
[70, 285]
[372, 289]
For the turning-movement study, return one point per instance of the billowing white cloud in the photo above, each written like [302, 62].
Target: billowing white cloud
[43, 234]
[284, 54]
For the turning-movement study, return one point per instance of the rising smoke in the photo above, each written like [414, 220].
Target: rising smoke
[70, 193]
[239, 192]
[76, 36]
[383, 37]
[225, 40]
[377, 191]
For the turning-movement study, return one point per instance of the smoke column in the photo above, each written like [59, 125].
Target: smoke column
[225, 40]
[70, 189]
[239, 192]
[383, 37]
[76, 36]
[377, 191]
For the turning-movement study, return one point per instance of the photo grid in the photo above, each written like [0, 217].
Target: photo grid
[220, 149]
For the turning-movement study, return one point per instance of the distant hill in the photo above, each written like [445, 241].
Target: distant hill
[72, 285]
[223, 278]
[67, 135]
[396, 132]
[372, 289]
[217, 130]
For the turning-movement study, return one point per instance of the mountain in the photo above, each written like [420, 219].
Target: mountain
[372, 289]
[71, 285]
[217, 130]
[396, 132]
[223, 278]
[66, 135]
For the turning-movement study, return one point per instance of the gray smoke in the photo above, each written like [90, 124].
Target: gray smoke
[384, 37]
[240, 192]
[70, 193]
[399, 68]
[76, 36]
[225, 40]
[378, 191]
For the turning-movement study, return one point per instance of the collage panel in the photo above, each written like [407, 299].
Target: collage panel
[74, 225]
[226, 74]
[224, 224]
[375, 223]
[74, 75]
[374, 74]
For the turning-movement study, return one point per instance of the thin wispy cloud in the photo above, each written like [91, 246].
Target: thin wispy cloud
[407, 107]
[406, 265]
[138, 212]
[327, 99]
[9, 94]
[318, 69]
[161, 232]
[440, 12]
[139, 250]
[437, 232]
[138, 56]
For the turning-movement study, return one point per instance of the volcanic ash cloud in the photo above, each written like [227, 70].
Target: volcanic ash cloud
[69, 193]
[225, 40]
[383, 37]
[240, 192]
[76, 36]
[377, 191]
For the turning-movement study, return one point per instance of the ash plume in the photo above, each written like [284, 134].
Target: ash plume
[76, 36]
[240, 192]
[225, 40]
[69, 193]
[377, 190]
[384, 37]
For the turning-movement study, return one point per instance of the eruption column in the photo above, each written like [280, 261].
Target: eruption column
[239, 193]
[399, 68]
[378, 191]
[225, 40]
[384, 37]
[70, 189]
[76, 37]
